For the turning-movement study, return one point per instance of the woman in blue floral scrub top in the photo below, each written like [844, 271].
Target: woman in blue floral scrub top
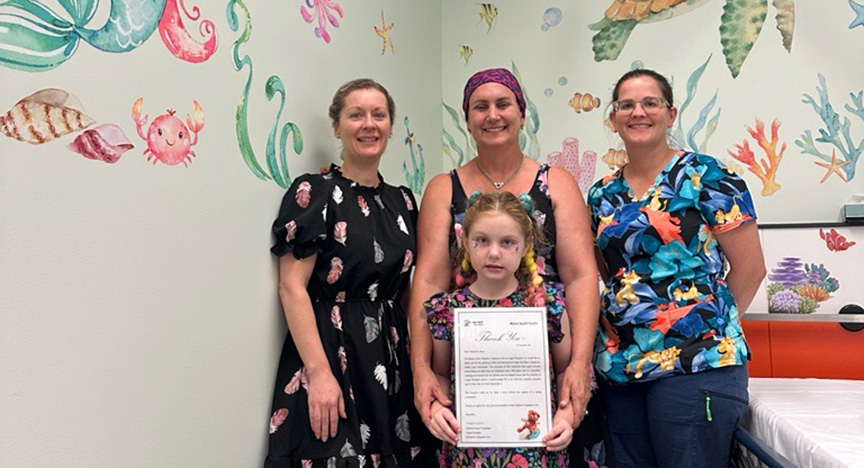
[670, 349]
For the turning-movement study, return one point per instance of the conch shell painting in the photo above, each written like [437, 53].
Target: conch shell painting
[105, 142]
[44, 116]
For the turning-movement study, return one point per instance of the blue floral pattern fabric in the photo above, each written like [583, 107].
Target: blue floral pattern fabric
[666, 308]
[439, 310]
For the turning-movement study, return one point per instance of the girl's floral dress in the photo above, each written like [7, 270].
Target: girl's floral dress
[439, 310]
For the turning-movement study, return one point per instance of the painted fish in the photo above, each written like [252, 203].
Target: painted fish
[834, 241]
[44, 116]
[488, 13]
[615, 158]
[584, 102]
[465, 52]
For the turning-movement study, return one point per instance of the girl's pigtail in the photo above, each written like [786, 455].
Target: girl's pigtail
[464, 273]
[535, 290]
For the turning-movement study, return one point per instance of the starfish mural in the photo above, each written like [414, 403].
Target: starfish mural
[859, 14]
[384, 33]
[833, 167]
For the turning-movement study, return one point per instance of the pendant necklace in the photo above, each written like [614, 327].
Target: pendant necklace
[500, 185]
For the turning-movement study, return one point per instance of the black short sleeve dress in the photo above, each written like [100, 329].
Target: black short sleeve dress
[364, 239]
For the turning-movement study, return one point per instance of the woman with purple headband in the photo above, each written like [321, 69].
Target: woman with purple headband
[494, 108]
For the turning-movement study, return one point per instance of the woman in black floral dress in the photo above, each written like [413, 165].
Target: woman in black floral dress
[346, 244]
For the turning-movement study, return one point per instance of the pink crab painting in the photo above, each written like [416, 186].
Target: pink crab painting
[168, 139]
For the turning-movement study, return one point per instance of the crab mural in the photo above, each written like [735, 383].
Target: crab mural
[168, 139]
[740, 25]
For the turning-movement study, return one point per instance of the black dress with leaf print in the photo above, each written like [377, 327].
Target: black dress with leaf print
[364, 238]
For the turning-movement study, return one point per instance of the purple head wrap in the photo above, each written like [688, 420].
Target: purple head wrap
[493, 75]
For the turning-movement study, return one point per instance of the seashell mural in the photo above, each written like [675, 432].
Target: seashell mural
[105, 142]
[44, 116]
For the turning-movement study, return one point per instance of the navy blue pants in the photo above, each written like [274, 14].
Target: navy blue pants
[678, 421]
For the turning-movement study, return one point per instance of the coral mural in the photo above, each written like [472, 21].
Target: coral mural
[35, 38]
[168, 139]
[568, 158]
[384, 34]
[740, 25]
[859, 14]
[44, 116]
[836, 133]
[765, 169]
[277, 170]
[321, 12]
[796, 290]
[488, 13]
[416, 177]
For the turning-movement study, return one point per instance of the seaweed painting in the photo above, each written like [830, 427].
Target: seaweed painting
[416, 177]
[740, 25]
[277, 170]
[34, 38]
[704, 121]
[459, 153]
[835, 133]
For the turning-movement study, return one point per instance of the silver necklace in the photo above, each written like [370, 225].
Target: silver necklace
[500, 185]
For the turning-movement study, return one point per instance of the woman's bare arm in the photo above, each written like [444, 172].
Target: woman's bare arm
[326, 404]
[432, 275]
[578, 270]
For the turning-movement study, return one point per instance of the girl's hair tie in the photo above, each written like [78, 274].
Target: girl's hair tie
[526, 202]
[475, 195]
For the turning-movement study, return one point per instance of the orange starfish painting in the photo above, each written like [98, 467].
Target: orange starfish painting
[833, 167]
[384, 33]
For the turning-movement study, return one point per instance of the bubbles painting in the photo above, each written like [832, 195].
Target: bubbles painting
[551, 18]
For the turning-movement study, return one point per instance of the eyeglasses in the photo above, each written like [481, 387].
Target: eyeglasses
[650, 105]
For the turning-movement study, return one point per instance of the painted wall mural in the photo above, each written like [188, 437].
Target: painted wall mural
[488, 14]
[740, 25]
[384, 33]
[551, 18]
[797, 288]
[168, 139]
[568, 158]
[106, 142]
[277, 170]
[836, 133]
[764, 169]
[44, 116]
[322, 12]
[858, 9]
[35, 38]
[416, 177]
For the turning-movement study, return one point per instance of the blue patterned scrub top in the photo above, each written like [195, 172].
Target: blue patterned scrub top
[666, 308]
